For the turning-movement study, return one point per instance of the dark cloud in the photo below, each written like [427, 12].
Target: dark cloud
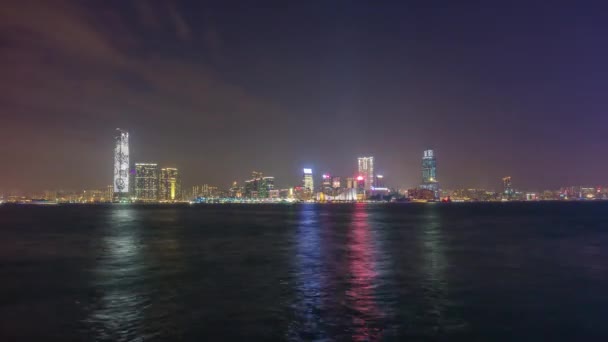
[63, 73]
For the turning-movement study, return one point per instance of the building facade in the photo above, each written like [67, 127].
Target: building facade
[379, 182]
[507, 187]
[266, 185]
[308, 183]
[170, 185]
[366, 170]
[146, 182]
[429, 171]
[121, 164]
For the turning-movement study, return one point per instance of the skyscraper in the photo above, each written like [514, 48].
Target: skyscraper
[307, 181]
[429, 170]
[507, 186]
[265, 185]
[379, 182]
[336, 183]
[256, 187]
[350, 183]
[366, 170]
[170, 185]
[360, 186]
[326, 186]
[146, 182]
[121, 164]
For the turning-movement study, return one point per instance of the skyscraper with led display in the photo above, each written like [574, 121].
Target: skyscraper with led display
[429, 170]
[121, 164]
[366, 170]
[146, 182]
[170, 185]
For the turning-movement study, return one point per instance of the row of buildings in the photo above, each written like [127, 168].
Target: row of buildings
[147, 182]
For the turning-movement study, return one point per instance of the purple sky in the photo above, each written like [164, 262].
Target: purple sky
[224, 88]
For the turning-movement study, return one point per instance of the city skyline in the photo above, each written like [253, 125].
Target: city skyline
[218, 91]
[146, 182]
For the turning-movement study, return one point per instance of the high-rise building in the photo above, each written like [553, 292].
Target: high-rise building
[336, 183]
[379, 182]
[429, 170]
[146, 182]
[326, 186]
[507, 186]
[121, 164]
[360, 186]
[170, 185]
[235, 190]
[265, 187]
[366, 170]
[250, 188]
[258, 186]
[307, 181]
[350, 183]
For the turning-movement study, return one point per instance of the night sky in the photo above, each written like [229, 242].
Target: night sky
[221, 88]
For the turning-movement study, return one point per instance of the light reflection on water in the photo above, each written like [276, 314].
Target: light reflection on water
[310, 273]
[363, 273]
[434, 318]
[337, 276]
[467, 272]
[118, 313]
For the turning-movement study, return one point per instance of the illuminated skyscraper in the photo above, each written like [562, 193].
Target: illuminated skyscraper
[265, 185]
[379, 182]
[336, 183]
[507, 186]
[360, 186]
[429, 170]
[307, 181]
[258, 186]
[235, 190]
[170, 185]
[146, 182]
[326, 186]
[366, 170]
[121, 164]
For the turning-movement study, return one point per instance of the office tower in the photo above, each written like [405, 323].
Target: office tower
[360, 186]
[170, 185]
[336, 183]
[266, 185]
[507, 186]
[146, 182]
[429, 170]
[236, 191]
[256, 186]
[379, 182]
[121, 164]
[350, 183]
[250, 188]
[366, 170]
[326, 186]
[307, 181]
